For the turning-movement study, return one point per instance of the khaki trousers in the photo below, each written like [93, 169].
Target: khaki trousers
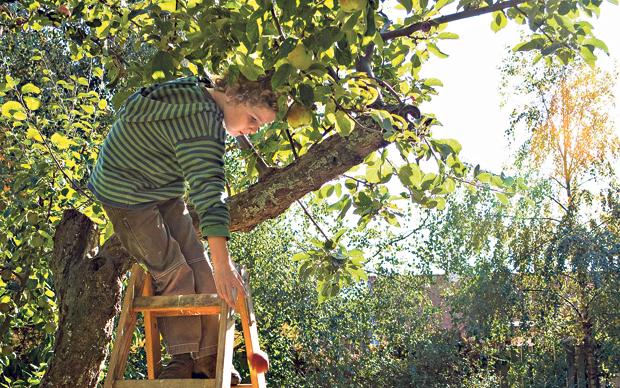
[162, 237]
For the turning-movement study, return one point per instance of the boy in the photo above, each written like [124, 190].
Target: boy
[164, 135]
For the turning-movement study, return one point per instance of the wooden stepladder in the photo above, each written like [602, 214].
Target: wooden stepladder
[139, 298]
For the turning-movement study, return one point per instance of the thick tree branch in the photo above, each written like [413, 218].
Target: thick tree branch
[425, 25]
[275, 192]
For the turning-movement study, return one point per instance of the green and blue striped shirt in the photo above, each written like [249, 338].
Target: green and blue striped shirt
[164, 135]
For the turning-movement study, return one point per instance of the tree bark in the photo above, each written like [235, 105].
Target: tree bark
[89, 288]
[275, 192]
[589, 347]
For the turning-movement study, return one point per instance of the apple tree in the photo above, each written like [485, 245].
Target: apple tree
[354, 134]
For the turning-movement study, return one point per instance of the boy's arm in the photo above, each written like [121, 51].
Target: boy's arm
[202, 162]
[225, 275]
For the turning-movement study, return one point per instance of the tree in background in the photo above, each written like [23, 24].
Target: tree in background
[572, 142]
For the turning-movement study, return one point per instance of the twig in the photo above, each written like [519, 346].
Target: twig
[49, 208]
[425, 25]
[276, 21]
[290, 139]
[402, 237]
[312, 219]
[358, 180]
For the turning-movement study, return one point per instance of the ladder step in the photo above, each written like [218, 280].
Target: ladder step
[176, 305]
[172, 383]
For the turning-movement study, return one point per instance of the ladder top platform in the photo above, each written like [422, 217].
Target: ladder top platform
[196, 304]
[172, 383]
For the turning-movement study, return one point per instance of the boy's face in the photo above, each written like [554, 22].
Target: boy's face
[244, 119]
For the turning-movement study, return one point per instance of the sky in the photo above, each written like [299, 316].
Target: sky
[468, 105]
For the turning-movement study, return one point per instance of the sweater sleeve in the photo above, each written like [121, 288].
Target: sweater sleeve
[202, 162]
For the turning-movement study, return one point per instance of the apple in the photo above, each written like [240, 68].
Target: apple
[300, 57]
[259, 361]
[298, 115]
[351, 6]
[63, 9]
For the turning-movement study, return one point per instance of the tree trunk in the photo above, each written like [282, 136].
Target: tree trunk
[589, 348]
[571, 373]
[89, 295]
[89, 288]
[580, 361]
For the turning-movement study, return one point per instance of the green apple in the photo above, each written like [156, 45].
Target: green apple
[300, 57]
[298, 116]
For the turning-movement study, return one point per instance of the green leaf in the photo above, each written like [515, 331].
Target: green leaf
[448, 35]
[344, 124]
[88, 109]
[499, 21]
[433, 49]
[281, 75]
[449, 185]
[61, 141]
[502, 198]
[10, 82]
[164, 62]
[596, 43]
[432, 82]
[410, 175]
[300, 256]
[446, 147]
[21, 116]
[533, 44]
[9, 108]
[98, 72]
[32, 133]
[565, 22]
[407, 4]
[30, 88]
[306, 94]
[372, 174]
[484, 177]
[345, 207]
[587, 55]
[565, 7]
[32, 103]
[119, 98]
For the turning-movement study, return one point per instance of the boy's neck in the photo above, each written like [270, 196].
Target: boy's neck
[219, 97]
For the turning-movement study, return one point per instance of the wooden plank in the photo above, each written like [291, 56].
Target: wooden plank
[124, 330]
[152, 345]
[226, 337]
[250, 331]
[172, 383]
[177, 312]
[169, 305]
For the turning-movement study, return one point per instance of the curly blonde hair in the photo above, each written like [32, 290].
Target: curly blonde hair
[242, 90]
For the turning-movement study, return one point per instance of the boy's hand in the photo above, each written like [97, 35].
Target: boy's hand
[228, 279]
[224, 273]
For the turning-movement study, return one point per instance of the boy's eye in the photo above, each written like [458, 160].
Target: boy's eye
[254, 119]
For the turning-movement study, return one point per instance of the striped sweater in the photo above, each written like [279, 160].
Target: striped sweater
[163, 136]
